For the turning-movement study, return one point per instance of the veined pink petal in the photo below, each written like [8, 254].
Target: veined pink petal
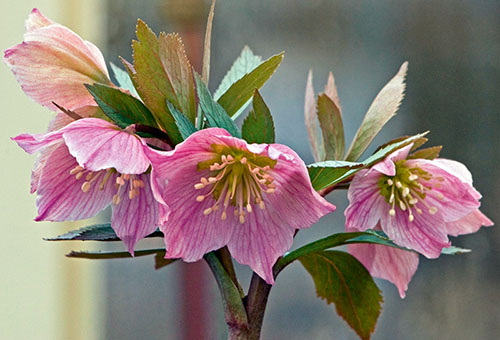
[468, 224]
[367, 203]
[387, 166]
[391, 264]
[263, 234]
[60, 197]
[53, 64]
[133, 219]
[97, 144]
[36, 20]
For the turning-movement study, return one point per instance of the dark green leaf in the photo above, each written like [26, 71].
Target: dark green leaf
[215, 113]
[123, 79]
[98, 255]
[323, 176]
[258, 126]
[186, 128]
[332, 128]
[384, 107]
[242, 90]
[341, 279]
[96, 232]
[122, 108]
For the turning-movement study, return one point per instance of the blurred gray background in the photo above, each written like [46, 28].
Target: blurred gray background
[453, 49]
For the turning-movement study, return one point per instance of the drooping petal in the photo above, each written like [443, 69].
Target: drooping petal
[97, 144]
[59, 194]
[53, 64]
[391, 264]
[468, 224]
[425, 234]
[367, 203]
[387, 166]
[133, 219]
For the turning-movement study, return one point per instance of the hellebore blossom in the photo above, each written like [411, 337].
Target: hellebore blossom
[90, 164]
[417, 203]
[53, 63]
[221, 191]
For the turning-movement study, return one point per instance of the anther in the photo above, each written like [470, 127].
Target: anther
[390, 182]
[242, 219]
[223, 216]
[413, 177]
[270, 190]
[75, 170]
[199, 186]
[212, 179]
[79, 175]
[402, 205]
[392, 212]
[411, 218]
[433, 210]
[120, 181]
[207, 211]
[200, 198]
[398, 184]
[116, 199]
[249, 207]
[243, 160]
[85, 186]
[406, 191]
[262, 205]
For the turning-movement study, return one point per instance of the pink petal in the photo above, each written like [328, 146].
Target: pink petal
[391, 264]
[97, 144]
[468, 224]
[367, 203]
[32, 143]
[387, 166]
[53, 64]
[60, 197]
[425, 234]
[36, 20]
[133, 219]
[455, 168]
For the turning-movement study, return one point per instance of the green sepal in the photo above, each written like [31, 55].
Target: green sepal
[123, 79]
[258, 126]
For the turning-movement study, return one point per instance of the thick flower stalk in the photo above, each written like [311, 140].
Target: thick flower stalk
[222, 191]
[89, 165]
[417, 203]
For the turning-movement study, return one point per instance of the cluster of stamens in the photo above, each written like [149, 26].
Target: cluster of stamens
[236, 181]
[408, 188]
[102, 177]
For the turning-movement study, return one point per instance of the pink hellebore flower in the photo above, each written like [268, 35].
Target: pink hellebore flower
[417, 203]
[53, 63]
[222, 191]
[90, 164]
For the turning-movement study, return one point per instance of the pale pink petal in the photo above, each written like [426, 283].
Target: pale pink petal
[367, 203]
[455, 168]
[59, 194]
[425, 234]
[133, 219]
[387, 166]
[97, 144]
[468, 224]
[53, 64]
[36, 20]
[388, 263]
[32, 143]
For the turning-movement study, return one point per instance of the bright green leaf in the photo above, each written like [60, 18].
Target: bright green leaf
[332, 128]
[384, 107]
[325, 174]
[186, 128]
[245, 63]
[124, 80]
[242, 90]
[258, 126]
[215, 113]
[123, 108]
[341, 279]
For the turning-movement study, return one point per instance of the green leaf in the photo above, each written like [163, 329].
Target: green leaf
[186, 128]
[122, 108]
[96, 232]
[325, 174]
[160, 260]
[242, 90]
[332, 128]
[312, 123]
[341, 279]
[123, 79]
[427, 153]
[384, 107]
[151, 79]
[215, 113]
[454, 251]
[258, 126]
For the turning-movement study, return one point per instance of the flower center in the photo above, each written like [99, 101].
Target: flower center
[102, 177]
[408, 188]
[237, 179]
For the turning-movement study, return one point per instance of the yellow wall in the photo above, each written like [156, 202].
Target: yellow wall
[43, 295]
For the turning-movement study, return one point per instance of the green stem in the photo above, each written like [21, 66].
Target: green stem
[256, 302]
[226, 260]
